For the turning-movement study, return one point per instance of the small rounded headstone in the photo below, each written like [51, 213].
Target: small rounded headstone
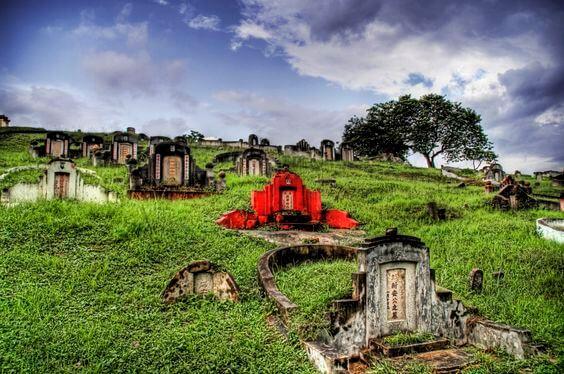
[393, 231]
[498, 275]
[441, 214]
[476, 280]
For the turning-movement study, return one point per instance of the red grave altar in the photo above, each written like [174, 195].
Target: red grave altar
[288, 204]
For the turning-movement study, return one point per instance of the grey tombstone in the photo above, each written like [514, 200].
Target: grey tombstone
[476, 280]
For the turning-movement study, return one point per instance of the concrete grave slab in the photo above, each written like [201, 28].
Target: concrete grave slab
[297, 237]
[394, 292]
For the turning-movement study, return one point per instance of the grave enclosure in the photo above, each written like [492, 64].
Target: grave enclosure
[394, 291]
[124, 147]
[170, 173]
[286, 203]
[61, 180]
[253, 162]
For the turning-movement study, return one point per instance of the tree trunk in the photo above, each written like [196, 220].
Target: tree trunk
[430, 161]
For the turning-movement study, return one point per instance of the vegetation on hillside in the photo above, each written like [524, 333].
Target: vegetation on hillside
[80, 283]
[431, 126]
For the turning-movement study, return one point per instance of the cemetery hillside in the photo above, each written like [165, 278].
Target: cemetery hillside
[83, 278]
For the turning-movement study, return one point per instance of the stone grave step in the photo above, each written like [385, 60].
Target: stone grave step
[451, 360]
[378, 346]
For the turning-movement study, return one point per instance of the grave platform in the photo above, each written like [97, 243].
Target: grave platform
[381, 347]
[451, 360]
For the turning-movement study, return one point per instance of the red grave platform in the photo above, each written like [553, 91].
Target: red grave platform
[288, 204]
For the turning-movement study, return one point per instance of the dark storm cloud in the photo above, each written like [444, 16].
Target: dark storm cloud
[505, 59]
[474, 18]
[330, 17]
[534, 89]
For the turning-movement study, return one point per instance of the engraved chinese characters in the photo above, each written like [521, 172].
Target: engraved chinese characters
[395, 294]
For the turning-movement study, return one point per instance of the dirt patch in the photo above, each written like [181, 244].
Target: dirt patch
[295, 237]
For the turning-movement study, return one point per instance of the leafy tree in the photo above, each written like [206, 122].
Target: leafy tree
[381, 132]
[431, 126]
[194, 136]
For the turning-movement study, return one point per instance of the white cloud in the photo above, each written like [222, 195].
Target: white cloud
[553, 116]
[171, 127]
[54, 108]
[247, 30]
[136, 74]
[201, 22]
[120, 72]
[457, 52]
[135, 34]
[280, 120]
[382, 55]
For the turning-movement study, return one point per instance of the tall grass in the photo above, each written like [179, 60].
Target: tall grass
[80, 283]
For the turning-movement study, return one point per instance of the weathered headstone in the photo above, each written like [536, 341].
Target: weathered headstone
[433, 210]
[328, 150]
[124, 144]
[347, 152]
[489, 187]
[57, 144]
[513, 196]
[498, 275]
[253, 162]
[4, 121]
[201, 278]
[90, 145]
[476, 280]
[221, 183]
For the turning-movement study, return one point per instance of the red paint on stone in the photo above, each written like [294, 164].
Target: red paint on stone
[286, 193]
[287, 202]
[238, 219]
[339, 219]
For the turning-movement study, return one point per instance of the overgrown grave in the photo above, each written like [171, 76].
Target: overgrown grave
[395, 308]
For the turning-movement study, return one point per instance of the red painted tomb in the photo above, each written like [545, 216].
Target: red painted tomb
[286, 203]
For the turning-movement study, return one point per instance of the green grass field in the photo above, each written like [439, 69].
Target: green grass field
[80, 283]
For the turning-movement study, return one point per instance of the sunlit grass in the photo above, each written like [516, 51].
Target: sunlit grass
[80, 283]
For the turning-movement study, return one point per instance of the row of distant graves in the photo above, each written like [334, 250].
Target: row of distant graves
[512, 193]
[327, 151]
[167, 169]
[394, 289]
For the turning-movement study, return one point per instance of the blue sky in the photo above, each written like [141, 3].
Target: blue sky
[284, 69]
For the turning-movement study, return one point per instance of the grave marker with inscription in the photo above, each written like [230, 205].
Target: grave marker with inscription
[394, 292]
[201, 278]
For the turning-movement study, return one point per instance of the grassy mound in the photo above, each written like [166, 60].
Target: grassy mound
[80, 283]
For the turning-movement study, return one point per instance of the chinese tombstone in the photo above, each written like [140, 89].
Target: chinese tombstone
[286, 203]
[253, 162]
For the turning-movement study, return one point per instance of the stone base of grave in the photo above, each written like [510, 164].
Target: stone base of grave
[328, 360]
[442, 361]
[551, 229]
[242, 219]
[380, 347]
[166, 194]
[297, 237]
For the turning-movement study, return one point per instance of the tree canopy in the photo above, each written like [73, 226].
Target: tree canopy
[194, 136]
[430, 125]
